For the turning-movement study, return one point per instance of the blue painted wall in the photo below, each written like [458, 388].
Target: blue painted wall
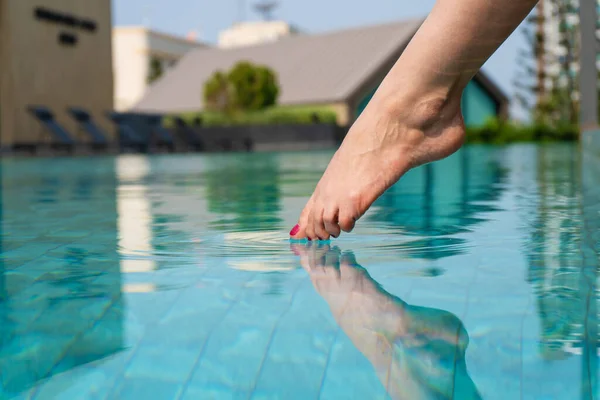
[478, 105]
[364, 102]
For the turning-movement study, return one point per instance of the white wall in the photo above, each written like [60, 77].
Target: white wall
[130, 64]
[251, 33]
[133, 48]
[171, 46]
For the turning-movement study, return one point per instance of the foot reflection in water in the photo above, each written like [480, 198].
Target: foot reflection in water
[417, 352]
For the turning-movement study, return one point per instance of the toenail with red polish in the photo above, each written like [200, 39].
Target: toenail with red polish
[295, 230]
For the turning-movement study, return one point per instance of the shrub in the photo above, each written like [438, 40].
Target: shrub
[155, 70]
[500, 132]
[270, 116]
[246, 87]
[255, 87]
[218, 93]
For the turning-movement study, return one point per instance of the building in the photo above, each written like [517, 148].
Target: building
[255, 32]
[138, 53]
[55, 53]
[553, 27]
[339, 69]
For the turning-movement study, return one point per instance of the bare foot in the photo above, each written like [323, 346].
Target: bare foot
[417, 352]
[383, 144]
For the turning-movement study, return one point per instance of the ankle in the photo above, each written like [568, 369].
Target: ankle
[423, 113]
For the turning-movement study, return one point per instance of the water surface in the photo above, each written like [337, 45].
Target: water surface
[171, 277]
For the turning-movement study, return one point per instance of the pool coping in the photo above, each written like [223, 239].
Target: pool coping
[590, 141]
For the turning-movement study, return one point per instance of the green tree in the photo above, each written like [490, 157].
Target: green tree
[218, 93]
[255, 86]
[156, 70]
[531, 78]
[246, 87]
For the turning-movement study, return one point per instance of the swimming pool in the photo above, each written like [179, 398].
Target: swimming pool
[171, 277]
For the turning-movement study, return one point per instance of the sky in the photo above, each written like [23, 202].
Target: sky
[209, 17]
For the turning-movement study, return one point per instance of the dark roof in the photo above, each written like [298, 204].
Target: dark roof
[311, 69]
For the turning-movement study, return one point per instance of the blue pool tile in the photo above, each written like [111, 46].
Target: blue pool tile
[27, 358]
[209, 303]
[146, 388]
[115, 364]
[307, 318]
[189, 332]
[213, 392]
[352, 383]
[150, 307]
[235, 352]
[246, 314]
[289, 379]
[165, 362]
[349, 374]
[236, 372]
[82, 383]
[448, 299]
[26, 395]
[29, 251]
[300, 347]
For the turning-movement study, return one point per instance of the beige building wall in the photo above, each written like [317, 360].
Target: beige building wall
[36, 69]
[344, 114]
[133, 49]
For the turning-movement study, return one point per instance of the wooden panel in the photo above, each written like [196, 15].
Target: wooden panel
[36, 69]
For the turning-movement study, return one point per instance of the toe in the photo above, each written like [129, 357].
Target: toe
[319, 225]
[309, 231]
[299, 231]
[346, 222]
[330, 220]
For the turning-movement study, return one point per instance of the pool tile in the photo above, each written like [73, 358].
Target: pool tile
[306, 318]
[448, 300]
[29, 251]
[352, 383]
[150, 307]
[184, 332]
[301, 347]
[349, 374]
[165, 362]
[288, 379]
[234, 354]
[229, 370]
[211, 391]
[146, 388]
[29, 358]
[82, 382]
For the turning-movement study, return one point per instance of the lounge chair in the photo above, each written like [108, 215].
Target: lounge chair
[87, 124]
[161, 137]
[188, 135]
[128, 137]
[62, 138]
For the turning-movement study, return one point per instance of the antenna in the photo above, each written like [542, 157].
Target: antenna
[265, 8]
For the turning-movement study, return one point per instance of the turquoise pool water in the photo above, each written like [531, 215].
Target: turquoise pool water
[171, 277]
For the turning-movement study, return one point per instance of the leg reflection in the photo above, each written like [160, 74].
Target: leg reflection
[417, 352]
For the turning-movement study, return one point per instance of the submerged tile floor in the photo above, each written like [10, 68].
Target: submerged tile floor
[170, 277]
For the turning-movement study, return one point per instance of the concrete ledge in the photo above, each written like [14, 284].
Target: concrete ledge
[590, 193]
[268, 138]
[590, 142]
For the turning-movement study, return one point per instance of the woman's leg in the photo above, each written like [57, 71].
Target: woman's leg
[417, 352]
[415, 116]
